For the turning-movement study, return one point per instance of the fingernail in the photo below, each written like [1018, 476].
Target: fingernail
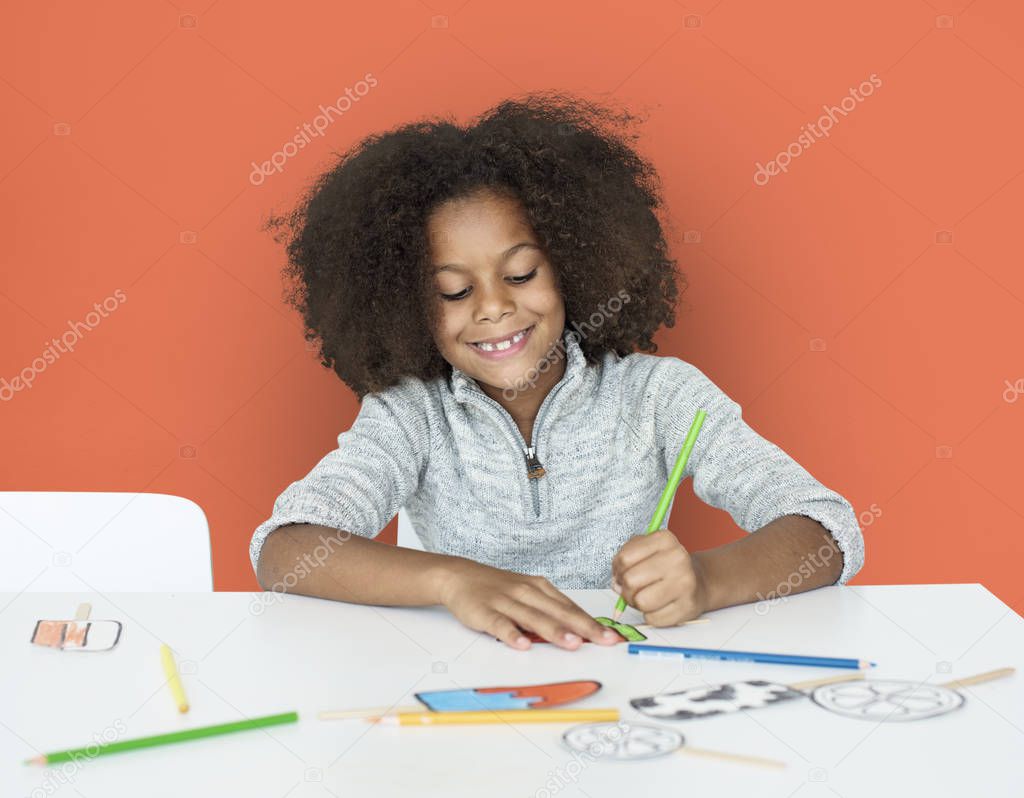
[608, 634]
[569, 637]
[522, 641]
[616, 586]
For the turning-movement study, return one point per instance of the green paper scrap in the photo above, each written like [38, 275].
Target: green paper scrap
[631, 633]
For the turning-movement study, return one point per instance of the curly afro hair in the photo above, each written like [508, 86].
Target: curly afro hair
[359, 258]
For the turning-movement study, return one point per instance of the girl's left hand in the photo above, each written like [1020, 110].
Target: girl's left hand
[658, 576]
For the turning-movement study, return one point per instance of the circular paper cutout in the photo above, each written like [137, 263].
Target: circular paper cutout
[623, 740]
[882, 701]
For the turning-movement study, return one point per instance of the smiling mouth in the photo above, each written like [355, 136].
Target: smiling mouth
[505, 344]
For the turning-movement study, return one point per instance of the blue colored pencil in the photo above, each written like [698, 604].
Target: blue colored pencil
[751, 656]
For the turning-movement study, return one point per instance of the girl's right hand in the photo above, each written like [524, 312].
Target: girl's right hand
[503, 604]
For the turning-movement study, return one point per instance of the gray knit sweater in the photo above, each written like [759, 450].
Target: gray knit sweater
[606, 435]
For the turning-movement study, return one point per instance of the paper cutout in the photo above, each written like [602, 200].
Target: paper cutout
[630, 633]
[701, 702]
[533, 696]
[617, 742]
[887, 701]
[622, 741]
[77, 635]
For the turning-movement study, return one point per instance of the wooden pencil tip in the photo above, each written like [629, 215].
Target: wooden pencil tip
[36, 760]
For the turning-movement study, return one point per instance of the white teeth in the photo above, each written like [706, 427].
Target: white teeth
[502, 345]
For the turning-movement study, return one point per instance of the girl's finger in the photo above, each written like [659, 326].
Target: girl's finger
[527, 616]
[654, 596]
[507, 632]
[591, 630]
[574, 620]
[555, 593]
[644, 573]
[630, 584]
[672, 614]
[640, 548]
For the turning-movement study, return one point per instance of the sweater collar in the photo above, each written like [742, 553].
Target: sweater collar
[463, 386]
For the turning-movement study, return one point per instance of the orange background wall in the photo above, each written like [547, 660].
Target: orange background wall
[865, 307]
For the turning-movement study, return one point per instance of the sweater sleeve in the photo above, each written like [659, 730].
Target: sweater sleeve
[735, 469]
[361, 485]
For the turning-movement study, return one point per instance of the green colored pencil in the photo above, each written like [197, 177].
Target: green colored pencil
[161, 739]
[670, 489]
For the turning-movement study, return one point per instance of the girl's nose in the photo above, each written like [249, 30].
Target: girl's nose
[493, 304]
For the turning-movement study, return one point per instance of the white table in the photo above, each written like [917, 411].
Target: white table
[245, 654]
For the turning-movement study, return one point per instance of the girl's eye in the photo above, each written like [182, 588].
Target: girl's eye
[524, 278]
[517, 280]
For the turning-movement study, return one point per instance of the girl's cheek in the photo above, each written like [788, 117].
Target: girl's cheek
[450, 326]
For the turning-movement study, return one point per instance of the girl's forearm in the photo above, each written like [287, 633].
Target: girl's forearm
[792, 554]
[318, 561]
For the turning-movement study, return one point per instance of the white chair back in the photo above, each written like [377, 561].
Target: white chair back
[118, 542]
[407, 536]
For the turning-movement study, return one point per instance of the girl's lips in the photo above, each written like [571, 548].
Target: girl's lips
[501, 354]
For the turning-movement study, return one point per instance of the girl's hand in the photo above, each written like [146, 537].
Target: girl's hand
[502, 604]
[655, 574]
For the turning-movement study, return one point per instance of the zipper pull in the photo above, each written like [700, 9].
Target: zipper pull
[534, 470]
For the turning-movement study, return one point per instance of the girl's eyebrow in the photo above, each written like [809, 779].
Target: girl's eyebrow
[508, 253]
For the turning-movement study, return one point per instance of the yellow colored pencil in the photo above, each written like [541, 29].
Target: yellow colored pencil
[499, 716]
[173, 680]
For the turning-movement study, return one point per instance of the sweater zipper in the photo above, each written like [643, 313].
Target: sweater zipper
[534, 468]
[534, 471]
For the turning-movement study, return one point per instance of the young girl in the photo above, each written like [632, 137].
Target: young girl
[483, 290]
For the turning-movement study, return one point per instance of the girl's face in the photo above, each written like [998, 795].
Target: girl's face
[493, 282]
